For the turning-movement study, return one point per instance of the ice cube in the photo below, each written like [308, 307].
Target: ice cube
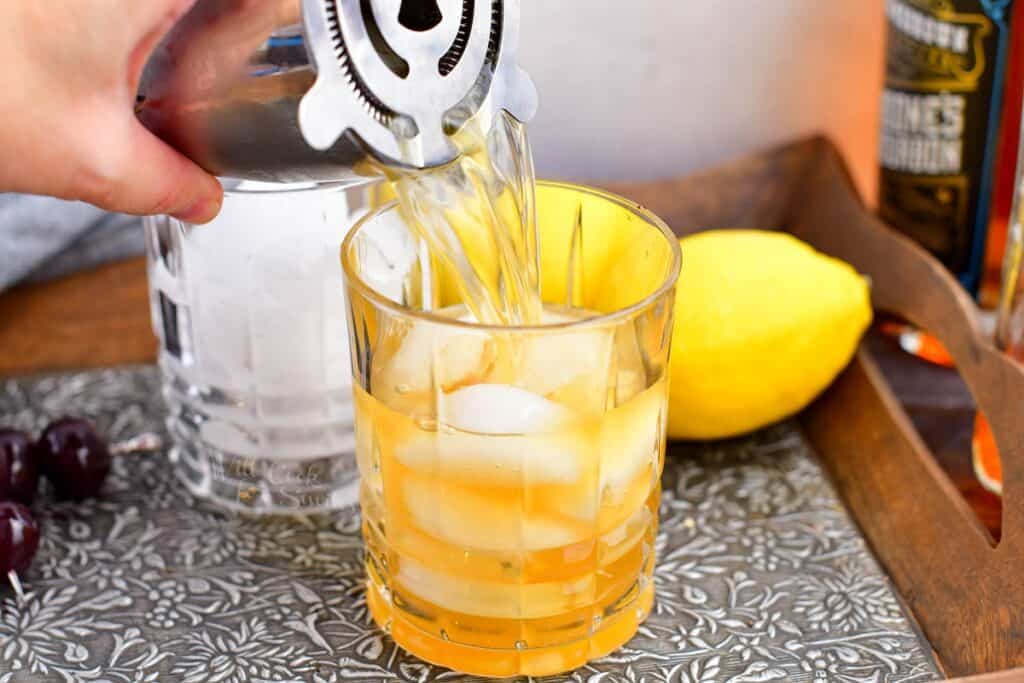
[628, 444]
[297, 312]
[623, 537]
[501, 409]
[630, 366]
[494, 460]
[571, 367]
[630, 440]
[498, 435]
[267, 285]
[470, 519]
[367, 450]
[492, 598]
[216, 284]
[425, 353]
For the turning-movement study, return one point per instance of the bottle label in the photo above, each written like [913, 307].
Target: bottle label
[942, 86]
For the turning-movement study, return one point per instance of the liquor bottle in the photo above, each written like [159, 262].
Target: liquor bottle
[950, 124]
[951, 129]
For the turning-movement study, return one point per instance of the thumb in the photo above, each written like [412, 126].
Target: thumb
[159, 180]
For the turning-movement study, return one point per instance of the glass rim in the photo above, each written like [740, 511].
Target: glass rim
[230, 186]
[616, 316]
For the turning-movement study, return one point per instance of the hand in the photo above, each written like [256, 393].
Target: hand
[69, 74]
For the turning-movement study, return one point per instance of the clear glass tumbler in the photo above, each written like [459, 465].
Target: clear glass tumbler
[250, 315]
[510, 476]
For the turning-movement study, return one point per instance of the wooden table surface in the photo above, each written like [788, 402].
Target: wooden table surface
[101, 318]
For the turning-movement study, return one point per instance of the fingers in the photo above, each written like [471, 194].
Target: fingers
[152, 179]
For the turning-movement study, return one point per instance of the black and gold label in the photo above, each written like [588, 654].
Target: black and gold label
[918, 203]
[933, 47]
[943, 81]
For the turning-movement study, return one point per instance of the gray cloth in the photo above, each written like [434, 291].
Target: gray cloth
[42, 238]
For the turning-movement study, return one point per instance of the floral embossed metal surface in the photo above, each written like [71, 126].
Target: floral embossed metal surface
[761, 575]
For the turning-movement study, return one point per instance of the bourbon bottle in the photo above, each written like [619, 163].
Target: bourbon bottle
[950, 124]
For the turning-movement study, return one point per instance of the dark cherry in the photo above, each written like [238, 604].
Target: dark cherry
[73, 458]
[19, 538]
[19, 468]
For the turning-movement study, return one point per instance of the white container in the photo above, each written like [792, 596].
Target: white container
[251, 318]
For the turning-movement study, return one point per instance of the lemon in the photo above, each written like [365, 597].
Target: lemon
[763, 324]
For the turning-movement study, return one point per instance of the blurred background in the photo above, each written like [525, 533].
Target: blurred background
[663, 88]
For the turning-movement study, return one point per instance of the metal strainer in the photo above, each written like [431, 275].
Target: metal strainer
[299, 90]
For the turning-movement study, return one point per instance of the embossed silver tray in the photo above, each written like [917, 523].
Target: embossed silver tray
[762, 576]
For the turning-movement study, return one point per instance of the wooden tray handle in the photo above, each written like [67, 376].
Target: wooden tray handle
[967, 595]
[909, 282]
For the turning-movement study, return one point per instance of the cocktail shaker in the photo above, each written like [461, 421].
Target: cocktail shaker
[313, 90]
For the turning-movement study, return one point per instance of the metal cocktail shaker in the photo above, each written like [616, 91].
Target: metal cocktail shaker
[310, 90]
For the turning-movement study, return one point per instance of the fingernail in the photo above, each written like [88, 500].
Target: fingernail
[201, 211]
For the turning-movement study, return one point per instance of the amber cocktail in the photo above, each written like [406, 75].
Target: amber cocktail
[510, 475]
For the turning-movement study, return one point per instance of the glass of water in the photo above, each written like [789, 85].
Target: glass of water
[250, 314]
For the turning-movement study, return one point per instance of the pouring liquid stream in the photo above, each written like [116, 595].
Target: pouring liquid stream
[477, 218]
[510, 477]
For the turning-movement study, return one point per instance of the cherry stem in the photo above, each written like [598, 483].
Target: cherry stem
[143, 443]
[12, 577]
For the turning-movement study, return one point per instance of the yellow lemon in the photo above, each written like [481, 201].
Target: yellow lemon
[763, 324]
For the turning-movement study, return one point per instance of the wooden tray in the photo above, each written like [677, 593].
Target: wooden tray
[966, 591]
